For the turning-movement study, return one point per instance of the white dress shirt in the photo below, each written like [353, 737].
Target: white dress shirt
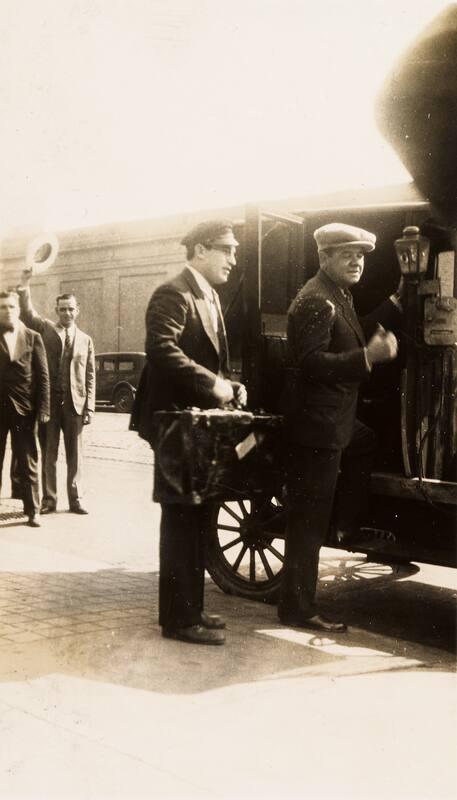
[212, 302]
[10, 340]
[60, 330]
[211, 298]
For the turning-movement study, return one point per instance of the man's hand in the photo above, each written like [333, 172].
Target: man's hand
[400, 287]
[383, 346]
[87, 417]
[26, 275]
[241, 395]
[397, 296]
[223, 391]
[43, 418]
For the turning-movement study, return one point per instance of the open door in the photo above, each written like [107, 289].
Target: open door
[274, 269]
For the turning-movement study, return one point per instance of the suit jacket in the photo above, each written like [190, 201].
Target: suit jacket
[327, 362]
[82, 366]
[24, 379]
[184, 353]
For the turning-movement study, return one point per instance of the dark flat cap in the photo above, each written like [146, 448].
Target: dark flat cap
[337, 234]
[214, 231]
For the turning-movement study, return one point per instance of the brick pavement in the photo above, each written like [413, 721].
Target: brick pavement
[11, 510]
[37, 606]
[94, 703]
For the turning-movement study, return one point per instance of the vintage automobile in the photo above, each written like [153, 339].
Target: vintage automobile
[118, 375]
[234, 458]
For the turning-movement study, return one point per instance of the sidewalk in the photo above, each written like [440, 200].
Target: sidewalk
[11, 509]
[95, 704]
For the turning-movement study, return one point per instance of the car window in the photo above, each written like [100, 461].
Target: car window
[97, 365]
[126, 366]
[109, 365]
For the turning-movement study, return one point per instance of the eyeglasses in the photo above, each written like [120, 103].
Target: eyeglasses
[227, 249]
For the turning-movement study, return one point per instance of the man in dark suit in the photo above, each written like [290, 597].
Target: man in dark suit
[24, 399]
[71, 361]
[329, 356]
[187, 365]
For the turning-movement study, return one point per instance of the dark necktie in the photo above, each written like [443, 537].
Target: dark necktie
[349, 298]
[65, 361]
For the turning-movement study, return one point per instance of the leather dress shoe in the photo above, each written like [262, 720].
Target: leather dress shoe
[78, 509]
[33, 521]
[316, 623]
[212, 622]
[47, 508]
[195, 634]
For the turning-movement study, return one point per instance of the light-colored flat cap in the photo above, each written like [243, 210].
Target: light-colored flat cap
[337, 234]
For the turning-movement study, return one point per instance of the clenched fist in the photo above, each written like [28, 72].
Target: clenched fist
[383, 346]
[223, 391]
[241, 395]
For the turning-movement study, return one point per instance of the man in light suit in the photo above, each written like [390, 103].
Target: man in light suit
[24, 399]
[187, 365]
[328, 357]
[71, 362]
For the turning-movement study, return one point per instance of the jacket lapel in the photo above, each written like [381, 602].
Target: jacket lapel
[3, 347]
[202, 309]
[351, 318]
[222, 336]
[345, 308]
[77, 342]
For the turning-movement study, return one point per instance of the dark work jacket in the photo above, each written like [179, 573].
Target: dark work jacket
[183, 354]
[24, 380]
[326, 363]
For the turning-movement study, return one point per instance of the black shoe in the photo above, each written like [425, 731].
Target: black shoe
[47, 508]
[212, 622]
[76, 508]
[33, 521]
[315, 623]
[195, 634]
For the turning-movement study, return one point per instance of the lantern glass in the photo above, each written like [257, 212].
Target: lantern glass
[412, 251]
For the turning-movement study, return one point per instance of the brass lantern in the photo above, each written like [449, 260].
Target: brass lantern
[412, 251]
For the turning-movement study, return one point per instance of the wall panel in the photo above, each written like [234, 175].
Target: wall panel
[134, 294]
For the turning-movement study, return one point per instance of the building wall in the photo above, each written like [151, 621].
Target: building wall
[111, 271]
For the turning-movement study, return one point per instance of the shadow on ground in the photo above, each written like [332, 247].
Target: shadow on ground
[103, 626]
[390, 600]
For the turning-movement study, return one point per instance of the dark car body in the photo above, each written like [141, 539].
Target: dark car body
[118, 375]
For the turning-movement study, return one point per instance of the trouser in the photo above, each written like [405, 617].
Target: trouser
[63, 418]
[15, 478]
[16, 485]
[183, 535]
[311, 483]
[24, 454]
